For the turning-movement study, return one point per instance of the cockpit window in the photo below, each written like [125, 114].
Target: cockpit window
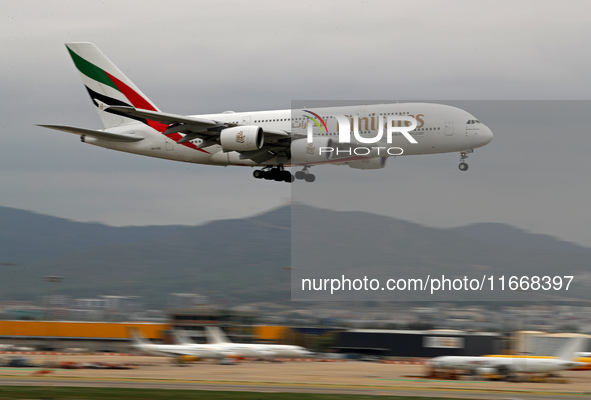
[473, 121]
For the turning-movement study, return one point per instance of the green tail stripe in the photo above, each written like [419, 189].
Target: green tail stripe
[91, 70]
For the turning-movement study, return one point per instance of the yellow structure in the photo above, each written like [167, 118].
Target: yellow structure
[79, 330]
[270, 333]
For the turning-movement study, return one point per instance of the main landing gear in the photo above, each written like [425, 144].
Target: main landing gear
[277, 174]
[463, 155]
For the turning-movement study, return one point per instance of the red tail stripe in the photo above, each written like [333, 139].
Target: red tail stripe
[139, 102]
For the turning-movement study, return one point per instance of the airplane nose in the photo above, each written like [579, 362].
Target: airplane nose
[485, 135]
[488, 135]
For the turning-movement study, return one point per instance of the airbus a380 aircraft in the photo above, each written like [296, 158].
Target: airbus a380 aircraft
[271, 140]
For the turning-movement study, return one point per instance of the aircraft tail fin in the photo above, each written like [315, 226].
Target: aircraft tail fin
[569, 351]
[181, 337]
[215, 335]
[107, 85]
[138, 340]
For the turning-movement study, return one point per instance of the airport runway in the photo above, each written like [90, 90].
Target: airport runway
[304, 377]
[293, 388]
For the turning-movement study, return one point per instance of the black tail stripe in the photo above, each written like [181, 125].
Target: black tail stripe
[94, 96]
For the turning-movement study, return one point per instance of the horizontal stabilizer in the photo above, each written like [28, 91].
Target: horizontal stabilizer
[114, 137]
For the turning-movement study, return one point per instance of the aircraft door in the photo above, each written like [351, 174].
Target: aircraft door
[246, 120]
[449, 128]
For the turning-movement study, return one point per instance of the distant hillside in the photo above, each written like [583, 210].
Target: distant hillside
[506, 235]
[327, 244]
[245, 260]
[26, 236]
[232, 260]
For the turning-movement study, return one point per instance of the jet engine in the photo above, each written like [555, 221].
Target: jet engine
[369, 163]
[242, 138]
[319, 150]
[187, 358]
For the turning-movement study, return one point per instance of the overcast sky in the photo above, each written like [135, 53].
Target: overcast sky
[194, 57]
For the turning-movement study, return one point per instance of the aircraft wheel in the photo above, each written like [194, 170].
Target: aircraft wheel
[269, 175]
[310, 178]
[259, 174]
[300, 175]
[287, 176]
[463, 166]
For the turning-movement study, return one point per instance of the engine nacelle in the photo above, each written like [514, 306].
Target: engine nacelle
[187, 358]
[303, 152]
[242, 138]
[369, 163]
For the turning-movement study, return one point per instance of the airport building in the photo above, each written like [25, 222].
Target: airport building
[543, 343]
[429, 343]
[93, 336]
[238, 325]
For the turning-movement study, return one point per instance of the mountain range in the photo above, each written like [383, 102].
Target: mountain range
[246, 260]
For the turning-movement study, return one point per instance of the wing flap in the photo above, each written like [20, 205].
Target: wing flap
[114, 137]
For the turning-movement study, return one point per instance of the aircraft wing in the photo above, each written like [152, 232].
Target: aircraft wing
[115, 137]
[276, 142]
[188, 125]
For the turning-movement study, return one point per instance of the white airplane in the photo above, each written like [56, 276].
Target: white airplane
[216, 336]
[171, 350]
[507, 365]
[271, 140]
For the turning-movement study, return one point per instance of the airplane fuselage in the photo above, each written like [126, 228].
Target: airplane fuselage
[513, 364]
[440, 129]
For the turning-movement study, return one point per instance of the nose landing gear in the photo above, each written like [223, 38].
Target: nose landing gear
[463, 155]
[305, 175]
